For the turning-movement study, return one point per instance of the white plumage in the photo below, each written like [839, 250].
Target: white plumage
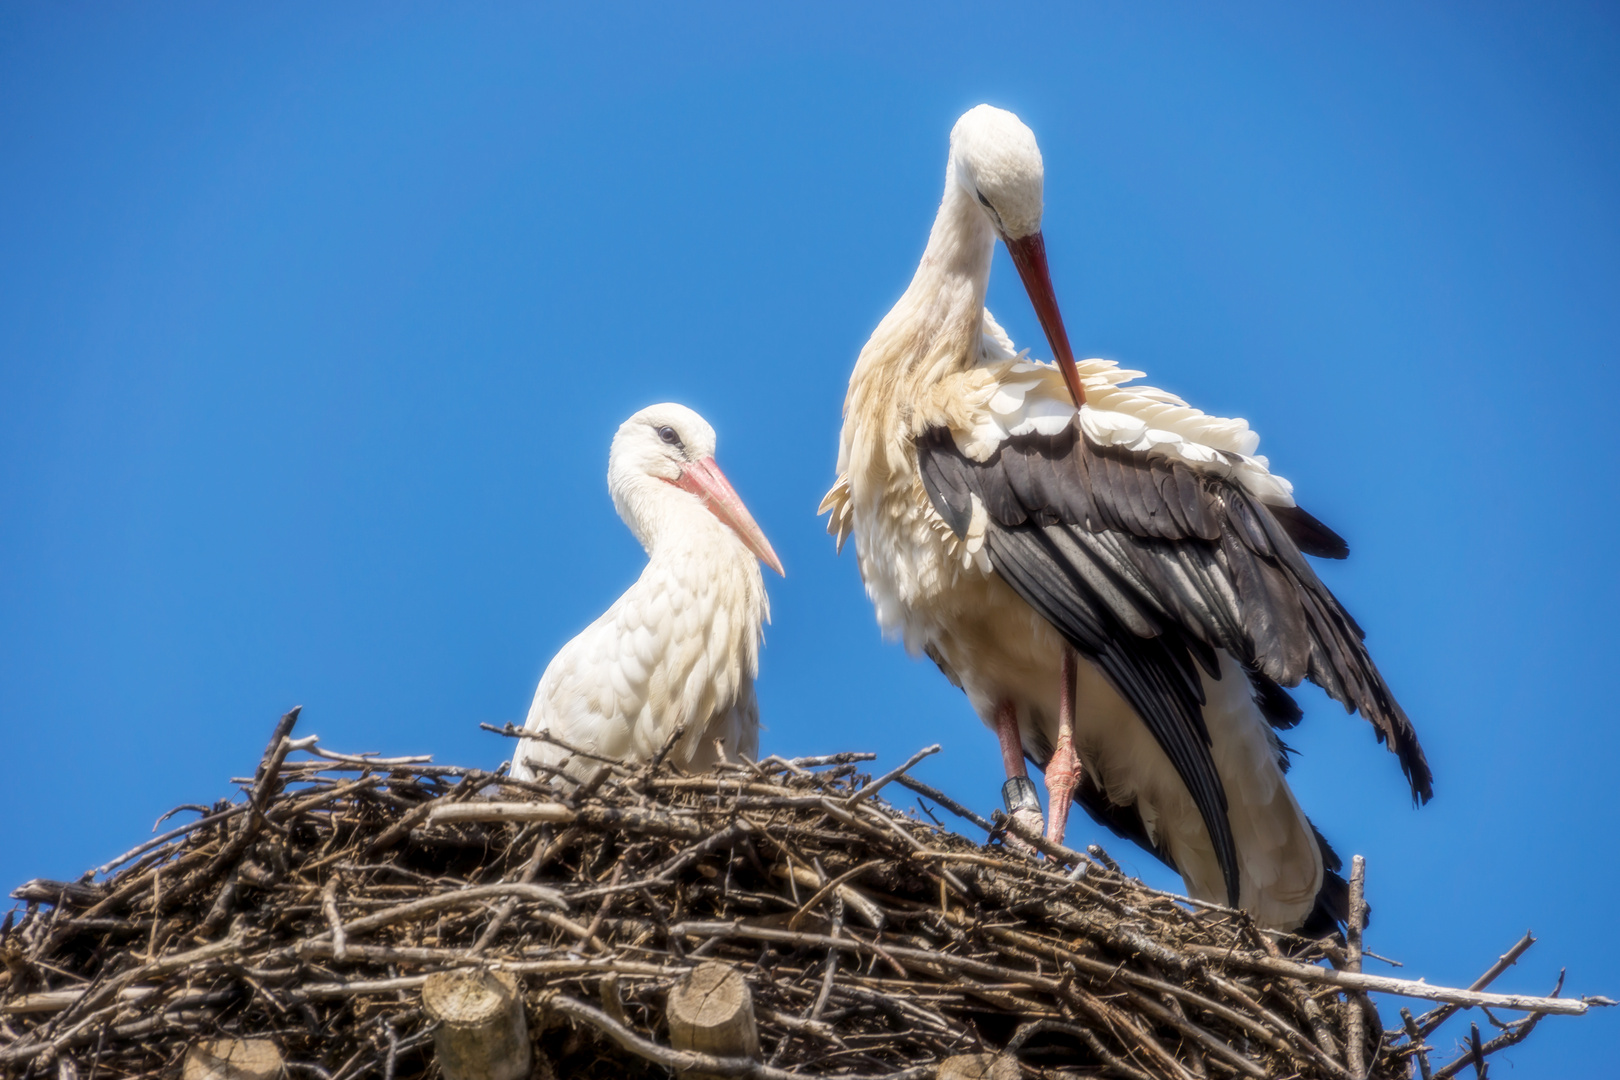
[939, 367]
[680, 648]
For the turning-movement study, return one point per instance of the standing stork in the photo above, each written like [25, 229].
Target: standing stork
[680, 648]
[1116, 580]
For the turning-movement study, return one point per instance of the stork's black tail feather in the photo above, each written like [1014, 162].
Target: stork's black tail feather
[1332, 909]
[1326, 919]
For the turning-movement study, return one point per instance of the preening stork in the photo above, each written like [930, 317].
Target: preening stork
[1116, 580]
[681, 647]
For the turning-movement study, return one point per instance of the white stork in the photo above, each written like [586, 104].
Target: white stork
[1115, 579]
[680, 648]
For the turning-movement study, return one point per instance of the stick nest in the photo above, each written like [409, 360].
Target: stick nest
[875, 942]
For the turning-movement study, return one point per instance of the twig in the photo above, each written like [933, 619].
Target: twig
[1517, 1033]
[513, 731]
[264, 782]
[946, 801]
[1039, 842]
[1415, 1044]
[823, 760]
[835, 885]
[340, 940]
[370, 761]
[675, 737]
[832, 961]
[172, 834]
[1427, 1024]
[1380, 984]
[877, 785]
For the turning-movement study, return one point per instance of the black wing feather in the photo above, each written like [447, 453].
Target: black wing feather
[1313, 537]
[952, 501]
[1166, 566]
[1157, 674]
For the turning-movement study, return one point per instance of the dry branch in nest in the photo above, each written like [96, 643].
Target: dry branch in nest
[765, 920]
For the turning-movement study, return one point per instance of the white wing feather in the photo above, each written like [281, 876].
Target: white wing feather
[1029, 396]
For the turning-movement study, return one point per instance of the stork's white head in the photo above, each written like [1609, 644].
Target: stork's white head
[995, 159]
[658, 441]
[667, 451]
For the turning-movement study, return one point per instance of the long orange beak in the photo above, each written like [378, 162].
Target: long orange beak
[1029, 255]
[705, 480]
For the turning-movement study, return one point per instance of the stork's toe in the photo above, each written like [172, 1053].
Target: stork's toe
[1031, 820]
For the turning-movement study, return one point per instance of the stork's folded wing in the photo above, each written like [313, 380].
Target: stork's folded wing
[1147, 566]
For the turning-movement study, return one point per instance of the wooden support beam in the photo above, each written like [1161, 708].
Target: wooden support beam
[483, 1033]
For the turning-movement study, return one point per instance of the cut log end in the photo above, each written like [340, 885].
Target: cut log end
[979, 1067]
[711, 1011]
[483, 1033]
[233, 1059]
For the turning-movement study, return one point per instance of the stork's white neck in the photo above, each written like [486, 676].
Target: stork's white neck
[947, 291]
[672, 523]
[933, 331]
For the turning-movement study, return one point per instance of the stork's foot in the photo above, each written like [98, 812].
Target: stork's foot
[1062, 777]
[1063, 768]
[1024, 807]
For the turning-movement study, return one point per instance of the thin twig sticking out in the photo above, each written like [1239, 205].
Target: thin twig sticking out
[1516, 1033]
[1427, 1024]
[877, 785]
[1380, 984]
[1415, 1044]
[172, 834]
[513, 731]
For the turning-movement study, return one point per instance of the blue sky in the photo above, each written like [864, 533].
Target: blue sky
[316, 321]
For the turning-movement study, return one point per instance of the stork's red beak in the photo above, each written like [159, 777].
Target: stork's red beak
[705, 480]
[1029, 255]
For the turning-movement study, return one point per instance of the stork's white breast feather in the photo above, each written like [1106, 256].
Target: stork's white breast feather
[680, 649]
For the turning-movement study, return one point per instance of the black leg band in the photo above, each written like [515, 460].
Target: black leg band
[1018, 793]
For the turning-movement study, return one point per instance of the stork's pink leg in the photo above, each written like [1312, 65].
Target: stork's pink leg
[1063, 770]
[1018, 792]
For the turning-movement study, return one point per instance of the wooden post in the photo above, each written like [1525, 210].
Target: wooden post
[1355, 1028]
[232, 1059]
[711, 1011]
[483, 1033]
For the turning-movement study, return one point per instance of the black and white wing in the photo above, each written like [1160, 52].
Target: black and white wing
[1149, 552]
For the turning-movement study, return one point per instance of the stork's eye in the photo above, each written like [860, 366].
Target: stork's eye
[667, 433]
[984, 202]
